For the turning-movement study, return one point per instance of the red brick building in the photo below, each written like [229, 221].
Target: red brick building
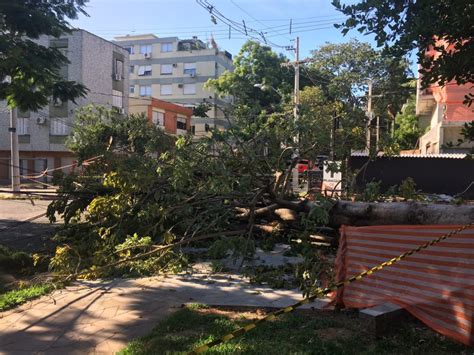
[172, 118]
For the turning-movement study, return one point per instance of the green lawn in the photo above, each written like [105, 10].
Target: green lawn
[13, 298]
[327, 333]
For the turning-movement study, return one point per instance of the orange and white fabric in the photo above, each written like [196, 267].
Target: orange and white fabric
[435, 285]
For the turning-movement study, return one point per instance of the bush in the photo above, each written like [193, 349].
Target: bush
[407, 189]
[14, 260]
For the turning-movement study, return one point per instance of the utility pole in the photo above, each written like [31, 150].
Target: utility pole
[369, 115]
[377, 134]
[296, 102]
[15, 154]
[296, 112]
[332, 155]
[297, 86]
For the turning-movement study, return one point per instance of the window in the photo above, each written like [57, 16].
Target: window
[58, 127]
[117, 99]
[158, 118]
[145, 90]
[130, 50]
[132, 89]
[145, 49]
[166, 89]
[132, 69]
[119, 68]
[166, 69]
[23, 167]
[22, 126]
[23, 114]
[189, 89]
[190, 68]
[144, 70]
[167, 47]
[193, 129]
[181, 123]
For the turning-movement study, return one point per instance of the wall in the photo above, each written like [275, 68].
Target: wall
[432, 175]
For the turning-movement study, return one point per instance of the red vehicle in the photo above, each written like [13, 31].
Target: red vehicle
[302, 166]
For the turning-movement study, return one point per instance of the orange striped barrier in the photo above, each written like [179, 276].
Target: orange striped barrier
[436, 285]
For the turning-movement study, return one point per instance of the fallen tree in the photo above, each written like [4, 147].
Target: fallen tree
[149, 194]
[368, 214]
[358, 213]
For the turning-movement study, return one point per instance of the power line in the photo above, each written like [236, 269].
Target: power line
[241, 28]
[223, 30]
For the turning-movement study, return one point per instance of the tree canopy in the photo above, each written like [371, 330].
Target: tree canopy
[401, 26]
[255, 64]
[344, 70]
[29, 72]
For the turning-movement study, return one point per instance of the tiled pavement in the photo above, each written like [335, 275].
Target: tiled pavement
[101, 317]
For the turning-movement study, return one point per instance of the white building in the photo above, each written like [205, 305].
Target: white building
[176, 70]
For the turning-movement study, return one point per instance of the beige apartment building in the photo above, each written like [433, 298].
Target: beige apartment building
[176, 70]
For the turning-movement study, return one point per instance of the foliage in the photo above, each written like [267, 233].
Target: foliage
[342, 72]
[403, 26]
[13, 298]
[33, 69]
[147, 187]
[317, 269]
[14, 260]
[407, 189]
[407, 132]
[316, 333]
[255, 64]
[467, 131]
[202, 109]
[345, 69]
[315, 124]
[371, 192]
[282, 276]
[143, 193]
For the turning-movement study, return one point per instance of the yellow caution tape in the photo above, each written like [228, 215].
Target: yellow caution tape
[323, 292]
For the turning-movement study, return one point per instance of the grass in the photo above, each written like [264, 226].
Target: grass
[13, 298]
[328, 333]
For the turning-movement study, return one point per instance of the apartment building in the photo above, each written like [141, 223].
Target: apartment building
[442, 114]
[172, 118]
[176, 70]
[93, 61]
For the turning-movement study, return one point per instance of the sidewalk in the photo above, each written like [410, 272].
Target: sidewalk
[102, 317]
[26, 193]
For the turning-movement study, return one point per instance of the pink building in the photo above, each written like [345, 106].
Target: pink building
[442, 114]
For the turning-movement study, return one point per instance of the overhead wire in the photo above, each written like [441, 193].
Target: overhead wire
[224, 30]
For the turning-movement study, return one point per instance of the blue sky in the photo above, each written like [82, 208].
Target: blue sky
[312, 21]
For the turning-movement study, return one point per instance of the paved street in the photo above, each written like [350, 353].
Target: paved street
[19, 231]
[103, 317]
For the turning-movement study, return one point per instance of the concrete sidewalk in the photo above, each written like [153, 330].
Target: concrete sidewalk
[102, 317]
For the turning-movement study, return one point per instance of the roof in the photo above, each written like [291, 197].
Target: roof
[432, 156]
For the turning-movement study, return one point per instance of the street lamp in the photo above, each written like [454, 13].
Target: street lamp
[264, 87]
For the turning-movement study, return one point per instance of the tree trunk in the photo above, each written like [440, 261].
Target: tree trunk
[370, 213]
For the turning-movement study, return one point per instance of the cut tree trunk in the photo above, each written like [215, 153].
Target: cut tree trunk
[412, 213]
